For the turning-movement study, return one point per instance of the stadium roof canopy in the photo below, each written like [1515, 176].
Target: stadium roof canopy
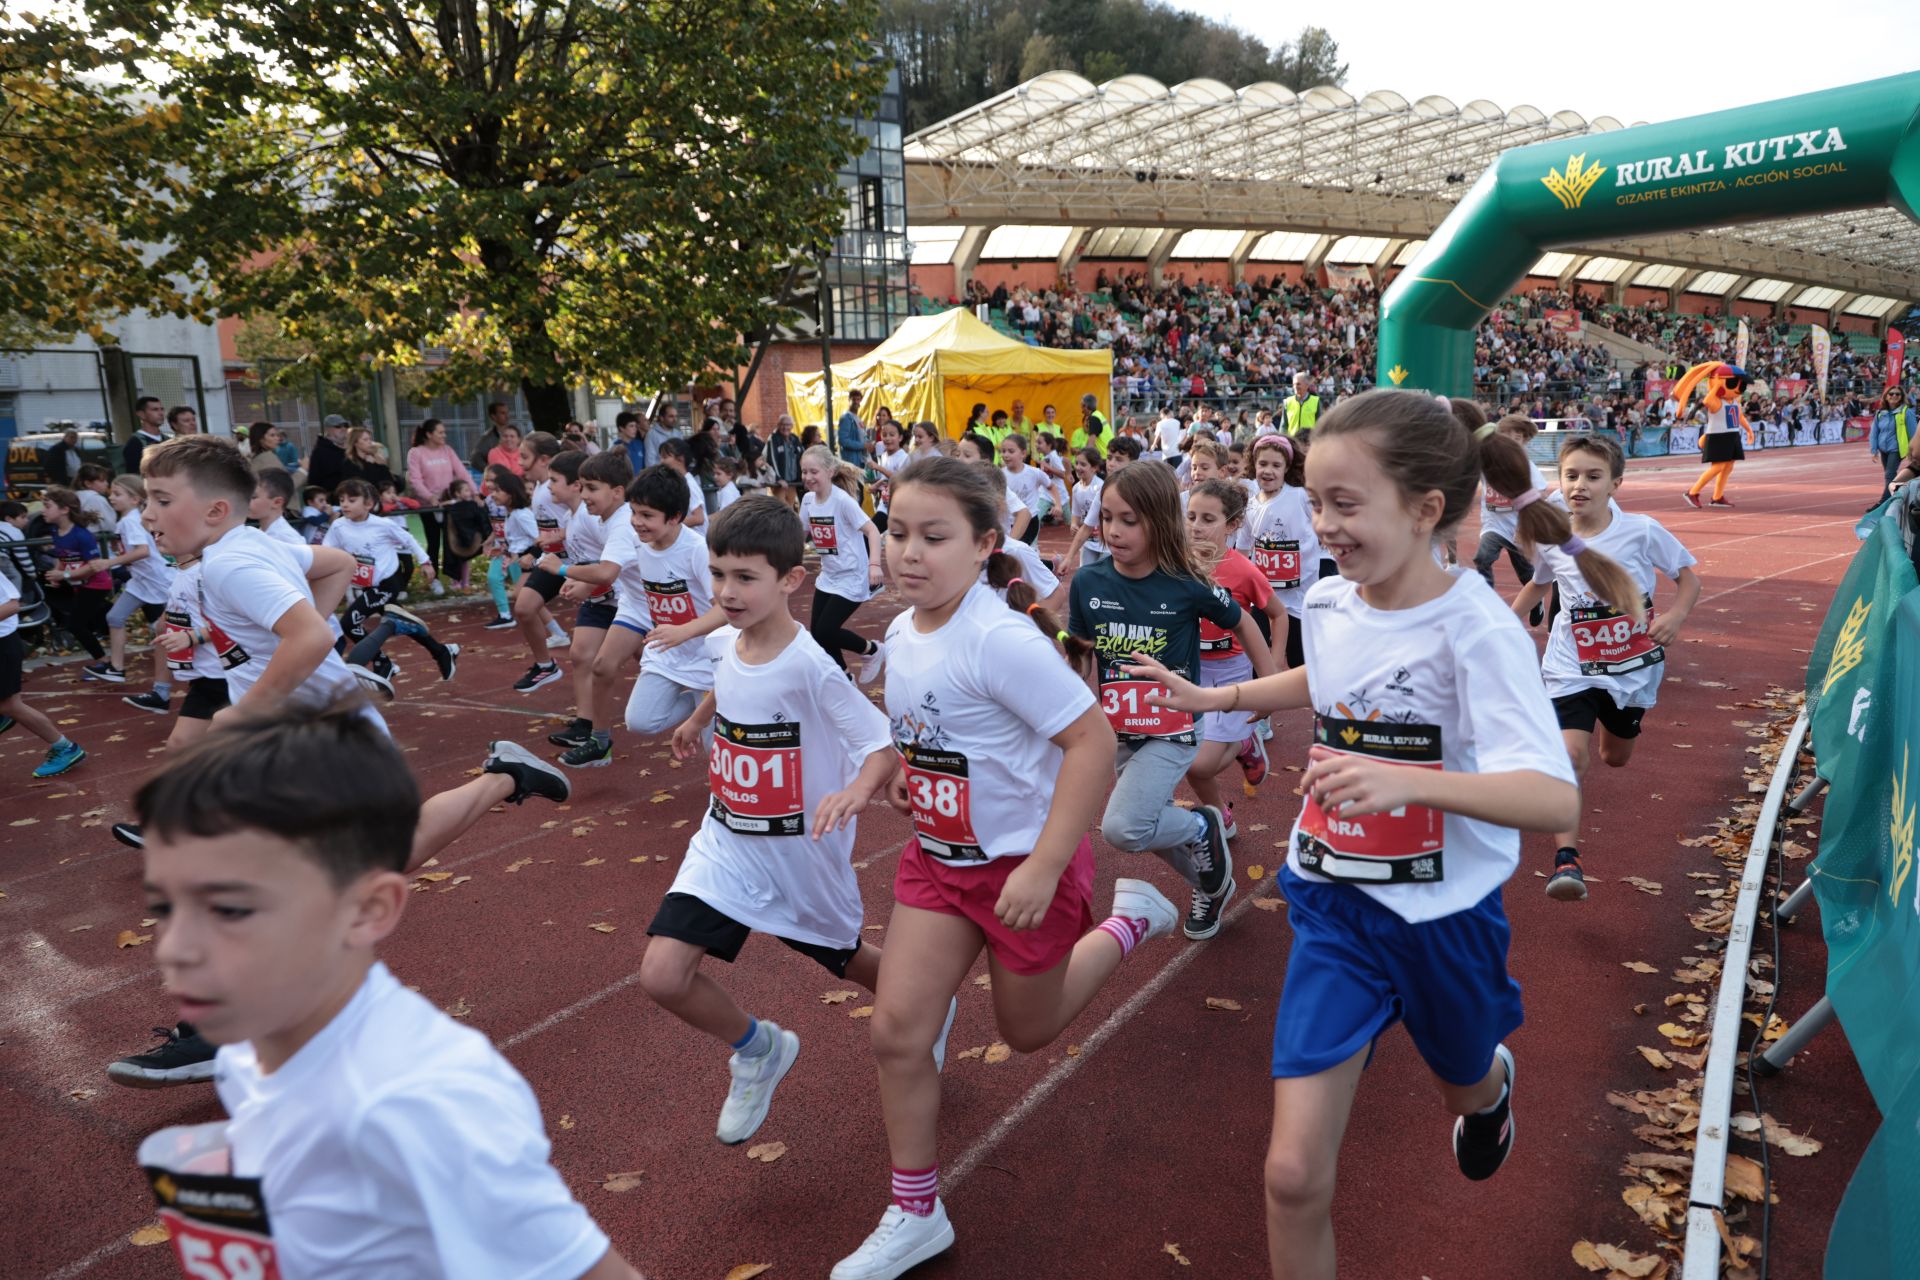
[1062, 168]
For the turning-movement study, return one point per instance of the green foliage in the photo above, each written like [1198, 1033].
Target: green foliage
[954, 53]
[550, 189]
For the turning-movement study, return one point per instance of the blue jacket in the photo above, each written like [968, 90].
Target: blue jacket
[1885, 436]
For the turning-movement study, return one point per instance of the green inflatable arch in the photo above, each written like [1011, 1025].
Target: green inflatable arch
[1855, 147]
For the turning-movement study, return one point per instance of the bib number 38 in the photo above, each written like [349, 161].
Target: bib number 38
[940, 794]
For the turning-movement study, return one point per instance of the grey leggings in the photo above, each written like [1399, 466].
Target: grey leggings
[658, 703]
[1141, 816]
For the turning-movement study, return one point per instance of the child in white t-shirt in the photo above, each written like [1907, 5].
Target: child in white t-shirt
[1602, 670]
[149, 578]
[272, 491]
[62, 752]
[673, 453]
[1434, 747]
[554, 474]
[380, 550]
[726, 492]
[670, 564]
[848, 545]
[796, 754]
[603, 480]
[370, 1134]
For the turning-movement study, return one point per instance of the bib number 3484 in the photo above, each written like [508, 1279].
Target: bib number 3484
[1607, 643]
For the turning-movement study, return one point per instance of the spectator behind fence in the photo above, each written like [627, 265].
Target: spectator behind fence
[327, 466]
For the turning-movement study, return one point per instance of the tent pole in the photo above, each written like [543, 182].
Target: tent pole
[826, 360]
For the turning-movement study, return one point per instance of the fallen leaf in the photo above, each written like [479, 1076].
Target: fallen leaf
[80, 928]
[128, 938]
[582, 831]
[998, 1051]
[1776, 1133]
[148, 923]
[1640, 1009]
[1656, 1059]
[1685, 1037]
[593, 862]
[1644, 886]
[435, 877]
[1269, 904]
[601, 927]
[550, 824]
[767, 1152]
[459, 1008]
[1256, 873]
[566, 1122]
[984, 981]
[25, 822]
[864, 1011]
[1073, 1051]
[80, 1095]
[1172, 1250]
[974, 1052]
[837, 997]
[681, 823]
[152, 1233]
[1745, 1179]
[1222, 1003]
[515, 866]
[622, 1181]
[748, 1270]
[1638, 966]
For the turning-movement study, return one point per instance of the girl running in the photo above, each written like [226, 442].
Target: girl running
[1151, 595]
[1083, 511]
[1602, 670]
[848, 544]
[149, 578]
[926, 442]
[887, 461]
[79, 590]
[1026, 482]
[1214, 511]
[1434, 749]
[372, 616]
[514, 536]
[1003, 756]
[1015, 517]
[1285, 548]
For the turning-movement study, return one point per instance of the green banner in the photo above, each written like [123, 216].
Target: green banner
[1850, 660]
[1870, 912]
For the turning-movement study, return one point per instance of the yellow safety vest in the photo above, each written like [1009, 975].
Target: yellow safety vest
[1902, 431]
[1301, 413]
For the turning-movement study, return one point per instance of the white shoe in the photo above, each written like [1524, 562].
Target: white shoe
[436, 588]
[558, 639]
[754, 1079]
[900, 1243]
[871, 665]
[946, 1029]
[1138, 900]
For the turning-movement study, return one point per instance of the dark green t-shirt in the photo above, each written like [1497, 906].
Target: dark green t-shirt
[1158, 615]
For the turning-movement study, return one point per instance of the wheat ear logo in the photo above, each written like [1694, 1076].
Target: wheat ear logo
[1572, 186]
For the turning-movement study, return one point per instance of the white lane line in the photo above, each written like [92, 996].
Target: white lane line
[80, 1266]
[1754, 582]
[580, 1006]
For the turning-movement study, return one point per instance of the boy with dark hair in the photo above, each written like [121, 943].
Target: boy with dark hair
[380, 550]
[554, 474]
[62, 752]
[603, 479]
[91, 483]
[370, 1134]
[797, 754]
[673, 569]
[272, 491]
[674, 454]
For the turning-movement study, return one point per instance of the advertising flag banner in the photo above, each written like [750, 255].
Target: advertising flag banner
[1567, 322]
[1896, 356]
[1742, 341]
[1822, 355]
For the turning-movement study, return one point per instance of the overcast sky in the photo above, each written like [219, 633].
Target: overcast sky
[1632, 59]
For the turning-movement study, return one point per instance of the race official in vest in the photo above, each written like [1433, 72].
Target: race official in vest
[1892, 436]
[1302, 408]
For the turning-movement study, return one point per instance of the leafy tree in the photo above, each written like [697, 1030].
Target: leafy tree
[539, 189]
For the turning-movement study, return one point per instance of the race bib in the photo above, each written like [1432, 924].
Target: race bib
[499, 545]
[1607, 643]
[362, 572]
[941, 798]
[224, 648]
[1400, 846]
[669, 602]
[754, 774]
[1218, 645]
[550, 535]
[1124, 703]
[825, 533]
[176, 622]
[217, 1220]
[1279, 560]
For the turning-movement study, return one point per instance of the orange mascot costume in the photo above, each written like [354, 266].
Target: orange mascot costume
[1720, 442]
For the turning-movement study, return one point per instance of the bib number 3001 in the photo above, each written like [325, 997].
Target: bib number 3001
[941, 797]
[1607, 643]
[754, 773]
[1398, 846]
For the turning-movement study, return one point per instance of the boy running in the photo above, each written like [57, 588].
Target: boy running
[556, 496]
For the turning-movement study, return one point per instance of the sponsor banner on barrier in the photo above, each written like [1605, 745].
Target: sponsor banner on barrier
[1683, 439]
[1346, 277]
[1567, 322]
[1855, 430]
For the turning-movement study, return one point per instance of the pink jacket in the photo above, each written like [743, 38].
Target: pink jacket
[431, 470]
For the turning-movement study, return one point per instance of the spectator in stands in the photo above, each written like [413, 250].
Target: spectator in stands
[148, 415]
[263, 441]
[327, 465]
[1302, 408]
[1093, 429]
[364, 461]
[506, 452]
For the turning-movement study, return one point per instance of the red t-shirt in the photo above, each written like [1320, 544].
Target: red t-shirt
[1249, 589]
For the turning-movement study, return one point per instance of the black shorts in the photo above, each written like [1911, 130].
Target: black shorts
[547, 584]
[687, 919]
[205, 695]
[597, 614]
[1589, 707]
[13, 656]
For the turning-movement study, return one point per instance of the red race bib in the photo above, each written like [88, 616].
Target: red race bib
[362, 572]
[229, 653]
[1607, 643]
[942, 801]
[825, 533]
[499, 537]
[754, 774]
[550, 535]
[669, 602]
[1279, 560]
[176, 622]
[217, 1220]
[1124, 703]
[1399, 846]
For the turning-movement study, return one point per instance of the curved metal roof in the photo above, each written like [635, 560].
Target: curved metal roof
[1134, 152]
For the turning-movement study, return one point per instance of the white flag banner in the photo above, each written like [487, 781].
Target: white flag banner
[1822, 353]
[1743, 339]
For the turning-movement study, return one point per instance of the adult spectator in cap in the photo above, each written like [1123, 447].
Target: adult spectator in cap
[1302, 408]
[148, 415]
[328, 465]
[498, 416]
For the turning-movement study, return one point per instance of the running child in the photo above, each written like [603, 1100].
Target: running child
[590, 584]
[673, 569]
[673, 452]
[1499, 527]
[272, 491]
[148, 579]
[556, 496]
[1083, 509]
[1003, 757]
[796, 754]
[78, 592]
[515, 536]
[848, 544]
[369, 1133]
[1602, 669]
[1215, 509]
[887, 460]
[1280, 525]
[1151, 594]
[1434, 748]
[725, 491]
[379, 576]
[62, 752]
[1025, 482]
[1087, 545]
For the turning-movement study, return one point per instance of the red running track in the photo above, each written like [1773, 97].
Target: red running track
[1060, 1164]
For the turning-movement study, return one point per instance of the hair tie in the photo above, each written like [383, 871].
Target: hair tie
[1574, 544]
[1061, 636]
[1011, 581]
[1032, 607]
[1484, 430]
[1521, 501]
[1274, 438]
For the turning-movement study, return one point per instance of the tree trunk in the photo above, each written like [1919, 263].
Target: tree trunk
[549, 404]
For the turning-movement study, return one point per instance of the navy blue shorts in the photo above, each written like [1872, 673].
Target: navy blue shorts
[596, 615]
[1356, 968]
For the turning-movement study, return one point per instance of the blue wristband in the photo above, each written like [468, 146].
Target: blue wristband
[563, 570]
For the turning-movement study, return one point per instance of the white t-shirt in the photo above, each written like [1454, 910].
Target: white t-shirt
[1284, 546]
[978, 701]
[281, 530]
[1446, 684]
[520, 531]
[1032, 568]
[550, 519]
[725, 496]
[9, 593]
[630, 588]
[1597, 650]
[150, 578]
[397, 1142]
[1086, 510]
[679, 589]
[1027, 485]
[786, 734]
[183, 614]
[247, 583]
[375, 544]
[1014, 507]
[1166, 435]
[696, 500]
[1497, 514]
[835, 526]
[99, 512]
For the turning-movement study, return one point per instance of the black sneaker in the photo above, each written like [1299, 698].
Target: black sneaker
[148, 701]
[182, 1057]
[591, 754]
[1566, 884]
[448, 660]
[531, 775]
[1481, 1142]
[578, 730]
[540, 673]
[501, 623]
[6, 723]
[128, 833]
[1205, 914]
[1211, 857]
[1537, 616]
[373, 681]
[103, 670]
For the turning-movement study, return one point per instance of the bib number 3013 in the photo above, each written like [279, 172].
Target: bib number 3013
[1129, 710]
[1399, 846]
[1279, 560]
[1607, 643]
[940, 794]
[754, 773]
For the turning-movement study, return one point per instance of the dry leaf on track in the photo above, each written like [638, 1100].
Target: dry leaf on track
[1638, 966]
[767, 1152]
[1643, 885]
[1172, 1250]
[152, 1233]
[748, 1270]
[25, 822]
[128, 938]
[1223, 1004]
[837, 997]
[1655, 1058]
[601, 927]
[864, 1011]
[1256, 873]
[622, 1181]
[974, 1052]
[1745, 1178]
[998, 1052]
[434, 877]
[515, 866]
[984, 981]
[1778, 1134]
[1269, 904]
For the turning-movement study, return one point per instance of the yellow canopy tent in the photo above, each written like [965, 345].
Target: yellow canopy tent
[938, 367]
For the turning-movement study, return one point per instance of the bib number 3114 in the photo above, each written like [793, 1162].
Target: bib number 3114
[1131, 712]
